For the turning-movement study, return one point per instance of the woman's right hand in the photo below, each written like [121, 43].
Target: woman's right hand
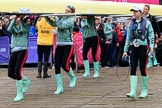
[107, 42]
[125, 54]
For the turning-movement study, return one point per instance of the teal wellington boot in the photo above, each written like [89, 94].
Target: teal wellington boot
[155, 61]
[86, 67]
[96, 69]
[59, 84]
[150, 62]
[144, 92]
[19, 95]
[26, 83]
[133, 86]
[72, 78]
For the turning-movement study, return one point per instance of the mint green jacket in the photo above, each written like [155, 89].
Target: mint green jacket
[107, 30]
[89, 27]
[19, 39]
[65, 27]
[149, 32]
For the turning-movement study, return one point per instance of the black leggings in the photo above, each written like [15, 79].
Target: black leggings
[62, 58]
[138, 55]
[43, 50]
[91, 42]
[16, 63]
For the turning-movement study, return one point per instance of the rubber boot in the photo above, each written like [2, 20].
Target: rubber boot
[96, 69]
[45, 70]
[39, 69]
[72, 78]
[59, 84]
[26, 83]
[150, 62]
[86, 67]
[133, 86]
[19, 95]
[144, 91]
[154, 61]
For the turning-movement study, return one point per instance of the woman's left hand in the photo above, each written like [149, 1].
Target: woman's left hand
[151, 51]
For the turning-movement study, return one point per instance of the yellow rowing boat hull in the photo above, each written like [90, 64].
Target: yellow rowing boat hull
[82, 6]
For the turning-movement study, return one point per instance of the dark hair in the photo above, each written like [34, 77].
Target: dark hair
[26, 19]
[6, 16]
[148, 6]
[1, 18]
[72, 8]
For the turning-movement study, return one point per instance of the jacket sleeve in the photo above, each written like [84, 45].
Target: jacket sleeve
[127, 42]
[107, 30]
[50, 22]
[156, 26]
[150, 34]
[84, 23]
[26, 27]
[11, 26]
[65, 24]
[115, 36]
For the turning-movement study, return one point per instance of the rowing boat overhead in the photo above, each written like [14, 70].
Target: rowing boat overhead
[82, 6]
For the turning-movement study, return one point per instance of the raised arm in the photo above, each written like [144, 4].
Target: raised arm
[51, 22]
[10, 27]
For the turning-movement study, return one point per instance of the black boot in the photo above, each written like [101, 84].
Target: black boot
[39, 69]
[45, 69]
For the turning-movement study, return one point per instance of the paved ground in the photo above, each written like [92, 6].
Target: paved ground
[108, 91]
